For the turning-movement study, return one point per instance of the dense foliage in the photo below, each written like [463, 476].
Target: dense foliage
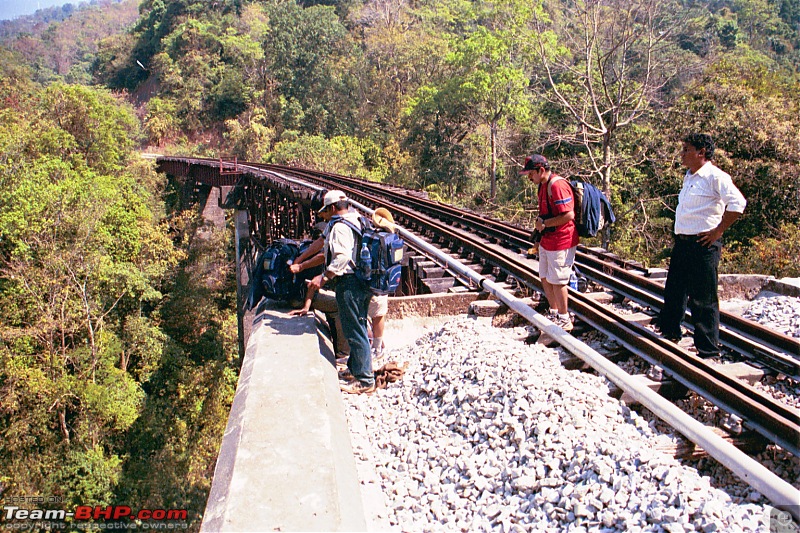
[61, 43]
[448, 96]
[106, 380]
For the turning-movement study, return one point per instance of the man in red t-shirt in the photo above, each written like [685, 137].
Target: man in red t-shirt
[559, 236]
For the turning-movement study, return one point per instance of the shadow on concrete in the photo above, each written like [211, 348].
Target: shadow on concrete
[288, 325]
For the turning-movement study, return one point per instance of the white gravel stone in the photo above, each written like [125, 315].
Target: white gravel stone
[487, 433]
[781, 313]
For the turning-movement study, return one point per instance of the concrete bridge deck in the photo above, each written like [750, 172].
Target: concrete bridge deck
[286, 463]
[286, 460]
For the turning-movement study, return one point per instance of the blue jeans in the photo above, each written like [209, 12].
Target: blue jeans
[693, 276]
[353, 297]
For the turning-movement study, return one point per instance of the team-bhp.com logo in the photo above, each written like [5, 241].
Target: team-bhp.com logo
[86, 517]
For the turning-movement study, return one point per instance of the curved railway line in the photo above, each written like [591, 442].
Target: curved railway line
[769, 418]
[748, 338]
[497, 248]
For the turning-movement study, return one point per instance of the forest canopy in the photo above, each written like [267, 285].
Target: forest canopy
[449, 96]
[100, 384]
[104, 379]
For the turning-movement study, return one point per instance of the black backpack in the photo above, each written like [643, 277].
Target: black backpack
[277, 281]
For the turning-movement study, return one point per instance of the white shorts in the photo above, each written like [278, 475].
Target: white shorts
[556, 267]
[378, 305]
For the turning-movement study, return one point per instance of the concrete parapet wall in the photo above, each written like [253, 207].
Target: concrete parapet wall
[784, 286]
[748, 286]
[286, 462]
[745, 286]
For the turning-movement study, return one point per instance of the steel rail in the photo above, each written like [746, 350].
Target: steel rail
[775, 421]
[772, 429]
[746, 346]
[754, 330]
[725, 389]
[753, 341]
[784, 419]
[750, 339]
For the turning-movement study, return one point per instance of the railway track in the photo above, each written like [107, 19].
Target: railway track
[496, 247]
[454, 229]
[755, 342]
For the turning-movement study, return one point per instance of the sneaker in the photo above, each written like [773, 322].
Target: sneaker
[551, 315]
[357, 387]
[563, 323]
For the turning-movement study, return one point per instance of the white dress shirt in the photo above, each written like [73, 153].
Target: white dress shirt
[705, 196]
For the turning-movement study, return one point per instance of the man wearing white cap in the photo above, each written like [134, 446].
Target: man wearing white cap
[352, 295]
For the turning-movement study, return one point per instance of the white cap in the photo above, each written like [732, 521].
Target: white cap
[331, 197]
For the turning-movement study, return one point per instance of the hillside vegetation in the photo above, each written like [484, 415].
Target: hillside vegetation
[110, 392]
[449, 96]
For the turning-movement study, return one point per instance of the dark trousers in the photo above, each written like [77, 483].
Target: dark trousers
[352, 298]
[325, 301]
[693, 276]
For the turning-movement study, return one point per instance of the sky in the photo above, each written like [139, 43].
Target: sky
[10, 9]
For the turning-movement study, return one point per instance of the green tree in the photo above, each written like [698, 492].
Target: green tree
[249, 137]
[491, 82]
[160, 122]
[73, 226]
[341, 154]
[309, 53]
[436, 131]
[751, 108]
[92, 125]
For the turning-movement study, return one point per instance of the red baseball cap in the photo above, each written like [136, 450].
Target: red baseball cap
[534, 162]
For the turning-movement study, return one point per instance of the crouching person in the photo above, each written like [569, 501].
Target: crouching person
[323, 301]
[352, 295]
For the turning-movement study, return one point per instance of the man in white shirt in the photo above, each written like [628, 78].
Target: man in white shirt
[352, 295]
[708, 204]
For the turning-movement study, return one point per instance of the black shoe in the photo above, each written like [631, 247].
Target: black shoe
[669, 335]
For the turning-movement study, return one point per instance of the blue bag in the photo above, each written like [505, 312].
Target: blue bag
[593, 211]
[378, 255]
[277, 281]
